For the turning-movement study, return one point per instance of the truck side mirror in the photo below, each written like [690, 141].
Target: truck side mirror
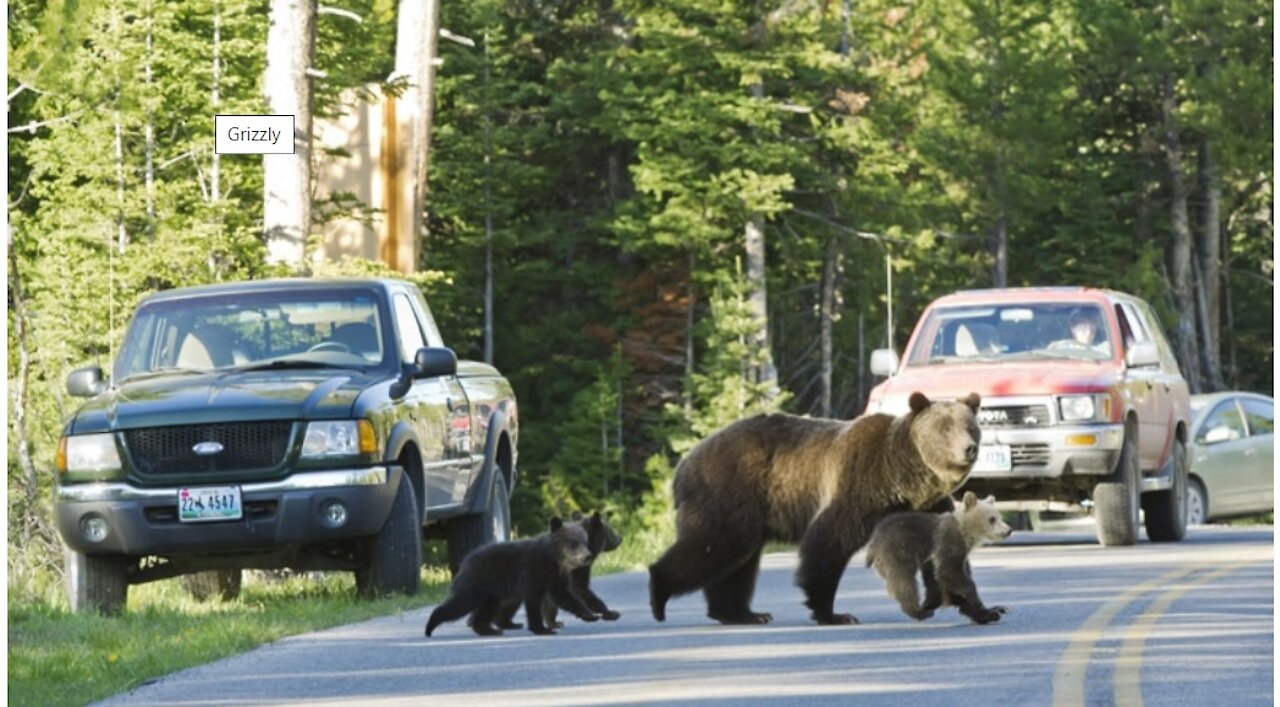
[432, 362]
[86, 382]
[884, 362]
[1143, 353]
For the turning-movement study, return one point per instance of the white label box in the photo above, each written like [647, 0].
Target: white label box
[253, 134]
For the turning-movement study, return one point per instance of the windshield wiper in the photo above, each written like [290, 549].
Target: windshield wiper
[291, 363]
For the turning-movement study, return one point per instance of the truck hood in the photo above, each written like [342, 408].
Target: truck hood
[222, 396]
[993, 380]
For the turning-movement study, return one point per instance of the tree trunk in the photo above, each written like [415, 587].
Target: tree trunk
[758, 299]
[1180, 246]
[417, 33]
[21, 384]
[149, 130]
[215, 100]
[832, 269]
[1209, 251]
[488, 215]
[287, 178]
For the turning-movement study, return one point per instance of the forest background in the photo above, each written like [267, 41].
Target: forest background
[654, 169]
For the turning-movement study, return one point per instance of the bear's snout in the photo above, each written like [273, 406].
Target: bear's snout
[971, 452]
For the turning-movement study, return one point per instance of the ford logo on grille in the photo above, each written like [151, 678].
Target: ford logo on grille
[205, 449]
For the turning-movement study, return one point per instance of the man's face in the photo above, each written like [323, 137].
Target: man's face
[1083, 330]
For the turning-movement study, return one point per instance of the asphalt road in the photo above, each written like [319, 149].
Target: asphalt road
[1189, 623]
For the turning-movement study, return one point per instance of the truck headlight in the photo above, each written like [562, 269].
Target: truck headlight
[339, 438]
[88, 454]
[1075, 408]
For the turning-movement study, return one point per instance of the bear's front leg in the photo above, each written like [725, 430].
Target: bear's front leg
[533, 599]
[563, 596]
[824, 553]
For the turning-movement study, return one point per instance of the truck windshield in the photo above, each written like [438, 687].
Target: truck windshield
[255, 330]
[1013, 332]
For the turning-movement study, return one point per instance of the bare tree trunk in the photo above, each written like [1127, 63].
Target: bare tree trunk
[832, 269]
[1001, 275]
[286, 209]
[215, 101]
[417, 39]
[758, 298]
[22, 384]
[687, 403]
[1180, 246]
[1209, 251]
[1211, 371]
[148, 129]
[862, 362]
[488, 216]
[1231, 322]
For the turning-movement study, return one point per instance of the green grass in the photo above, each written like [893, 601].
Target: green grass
[60, 658]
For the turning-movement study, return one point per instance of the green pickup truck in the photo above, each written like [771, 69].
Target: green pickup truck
[304, 424]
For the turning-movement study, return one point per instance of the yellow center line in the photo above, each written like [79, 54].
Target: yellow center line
[1068, 679]
[1128, 684]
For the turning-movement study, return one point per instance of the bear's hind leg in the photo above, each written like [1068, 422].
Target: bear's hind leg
[901, 583]
[456, 607]
[729, 597]
[683, 568]
[481, 620]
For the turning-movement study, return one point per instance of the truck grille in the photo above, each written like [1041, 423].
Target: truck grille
[1029, 454]
[245, 446]
[1014, 416]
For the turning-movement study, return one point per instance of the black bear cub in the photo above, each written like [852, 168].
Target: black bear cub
[600, 538]
[495, 579]
[937, 546]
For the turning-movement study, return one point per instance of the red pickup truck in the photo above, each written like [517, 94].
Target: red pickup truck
[1083, 405]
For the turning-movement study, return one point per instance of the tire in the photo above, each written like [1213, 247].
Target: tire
[225, 584]
[489, 526]
[1115, 500]
[96, 582]
[1197, 503]
[1165, 512]
[393, 557]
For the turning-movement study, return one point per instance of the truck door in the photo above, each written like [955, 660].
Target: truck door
[425, 405]
[1171, 388]
[451, 403]
[1140, 385]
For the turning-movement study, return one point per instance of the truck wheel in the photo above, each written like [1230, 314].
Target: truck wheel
[1166, 511]
[1116, 500]
[393, 557]
[96, 582]
[493, 525]
[225, 584]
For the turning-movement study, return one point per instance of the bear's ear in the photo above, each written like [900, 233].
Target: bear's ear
[918, 402]
[556, 523]
[596, 516]
[970, 500]
[973, 401]
[577, 516]
[989, 499]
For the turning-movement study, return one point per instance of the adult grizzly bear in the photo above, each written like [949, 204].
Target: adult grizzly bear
[822, 483]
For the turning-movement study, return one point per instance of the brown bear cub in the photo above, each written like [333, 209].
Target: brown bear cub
[937, 546]
[495, 578]
[822, 483]
[601, 537]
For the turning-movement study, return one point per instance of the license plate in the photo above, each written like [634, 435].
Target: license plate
[206, 503]
[993, 457]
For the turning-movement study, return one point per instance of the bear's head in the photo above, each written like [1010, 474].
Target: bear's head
[980, 522]
[569, 545]
[601, 537]
[946, 435]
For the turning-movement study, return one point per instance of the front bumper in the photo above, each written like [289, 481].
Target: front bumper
[143, 521]
[1053, 452]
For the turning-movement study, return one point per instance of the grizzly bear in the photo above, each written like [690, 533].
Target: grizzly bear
[601, 537]
[823, 483]
[497, 577]
[937, 546]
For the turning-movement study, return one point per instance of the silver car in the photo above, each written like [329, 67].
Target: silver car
[1232, 456]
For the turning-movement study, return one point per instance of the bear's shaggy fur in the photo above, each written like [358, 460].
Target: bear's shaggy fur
[823, 483]
[937, 546]
[496, 578]
[601, 537]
